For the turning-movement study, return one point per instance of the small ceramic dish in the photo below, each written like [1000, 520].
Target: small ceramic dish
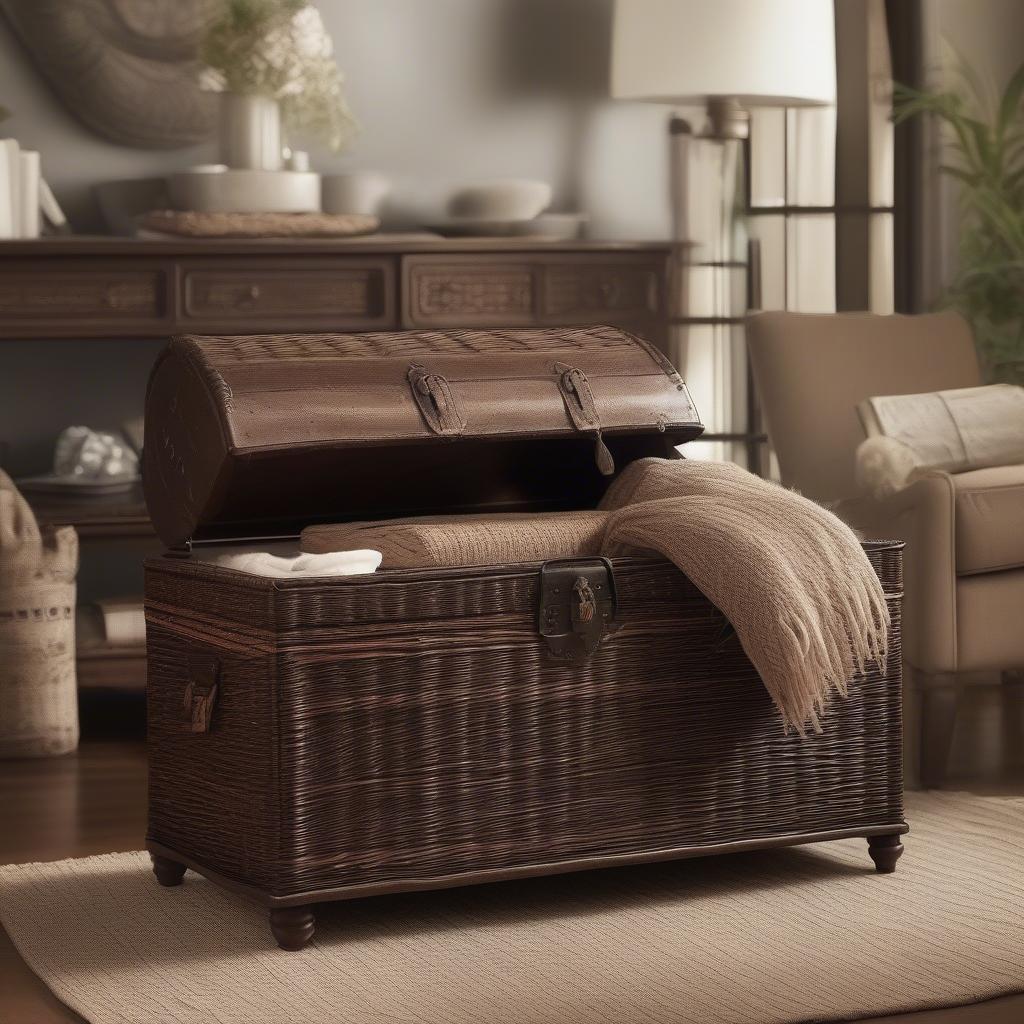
[501, 201]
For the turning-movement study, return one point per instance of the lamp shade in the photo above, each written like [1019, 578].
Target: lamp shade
[761, 52]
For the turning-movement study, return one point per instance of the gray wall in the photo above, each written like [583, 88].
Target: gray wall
[447, 91]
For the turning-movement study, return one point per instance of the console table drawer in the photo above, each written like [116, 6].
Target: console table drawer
[540, 288]
[469, 293]
[349, 296]
[602, 291]
[55, 295]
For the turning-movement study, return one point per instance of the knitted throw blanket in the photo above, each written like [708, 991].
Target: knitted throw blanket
[465, 540]
[792, 578]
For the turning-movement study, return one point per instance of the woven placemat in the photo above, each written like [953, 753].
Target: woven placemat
[778, 936]
[194, 224]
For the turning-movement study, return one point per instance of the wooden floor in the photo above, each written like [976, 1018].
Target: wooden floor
[95, 802]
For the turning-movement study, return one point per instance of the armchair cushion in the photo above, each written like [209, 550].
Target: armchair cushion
[962, 609]
[989, 519]
[989, 634]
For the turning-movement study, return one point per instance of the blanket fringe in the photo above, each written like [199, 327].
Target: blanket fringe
[790, 576]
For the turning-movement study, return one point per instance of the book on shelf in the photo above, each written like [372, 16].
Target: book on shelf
[25, 199]
[9, 165]
[123, 621]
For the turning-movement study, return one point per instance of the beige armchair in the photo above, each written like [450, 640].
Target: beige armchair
[964, 564]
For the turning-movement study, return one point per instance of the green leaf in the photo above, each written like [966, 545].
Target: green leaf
[1009, 105]
[983, 143]
[961, 175]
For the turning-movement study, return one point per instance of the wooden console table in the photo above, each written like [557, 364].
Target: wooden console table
[115, 288]
[122, 288]
[104, 288]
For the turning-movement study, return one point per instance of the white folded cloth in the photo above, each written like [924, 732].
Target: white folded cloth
[334, 563]
[951, 431]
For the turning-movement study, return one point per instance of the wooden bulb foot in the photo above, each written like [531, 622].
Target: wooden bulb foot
[168, 872]
[885, 851]
[293, 927]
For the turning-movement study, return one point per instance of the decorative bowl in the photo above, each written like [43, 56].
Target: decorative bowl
[245, 191]
[508, 200]
[360, 192]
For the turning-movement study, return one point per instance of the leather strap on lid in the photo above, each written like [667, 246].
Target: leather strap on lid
[433, 395]
[582, 410]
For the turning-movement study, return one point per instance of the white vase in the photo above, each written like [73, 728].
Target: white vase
[250, 132]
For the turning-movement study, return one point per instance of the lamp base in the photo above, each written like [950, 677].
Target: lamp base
[708, 188]
[727, 119]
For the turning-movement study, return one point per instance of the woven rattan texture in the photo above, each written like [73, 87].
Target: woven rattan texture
[401, 344]
[412, 726]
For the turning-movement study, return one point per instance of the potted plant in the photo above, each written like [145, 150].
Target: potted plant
[272, 61]
[986, 148]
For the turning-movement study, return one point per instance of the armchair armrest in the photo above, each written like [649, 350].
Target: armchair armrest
[922, 515]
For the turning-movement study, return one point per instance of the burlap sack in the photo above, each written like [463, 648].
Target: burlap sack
[38, 695]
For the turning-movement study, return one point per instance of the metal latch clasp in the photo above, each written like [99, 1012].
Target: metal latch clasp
[577, 606]
[200, 696]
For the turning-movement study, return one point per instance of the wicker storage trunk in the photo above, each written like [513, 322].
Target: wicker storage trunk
[325, 739]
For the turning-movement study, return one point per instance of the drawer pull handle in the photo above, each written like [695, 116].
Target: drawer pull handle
[249, 297]
[117, 296]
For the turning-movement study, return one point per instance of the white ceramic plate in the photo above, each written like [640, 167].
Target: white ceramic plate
[471, 227]
[50, 483]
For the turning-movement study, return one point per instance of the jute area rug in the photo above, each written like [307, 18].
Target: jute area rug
[799, 934]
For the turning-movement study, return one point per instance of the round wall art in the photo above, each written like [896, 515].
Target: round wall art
[126, 68]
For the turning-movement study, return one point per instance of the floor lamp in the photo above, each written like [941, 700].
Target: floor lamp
[725, 56]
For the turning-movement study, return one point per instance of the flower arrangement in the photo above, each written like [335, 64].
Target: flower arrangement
[279, 49]
[986, 150]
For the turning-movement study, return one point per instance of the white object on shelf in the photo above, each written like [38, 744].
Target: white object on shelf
[360, 192]
[245, 191]
[10, 171]
[124, 621]
[28, 194]
[507, 200]
[93, 454]
[51, 210]
[250, 132]
[6, 210]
